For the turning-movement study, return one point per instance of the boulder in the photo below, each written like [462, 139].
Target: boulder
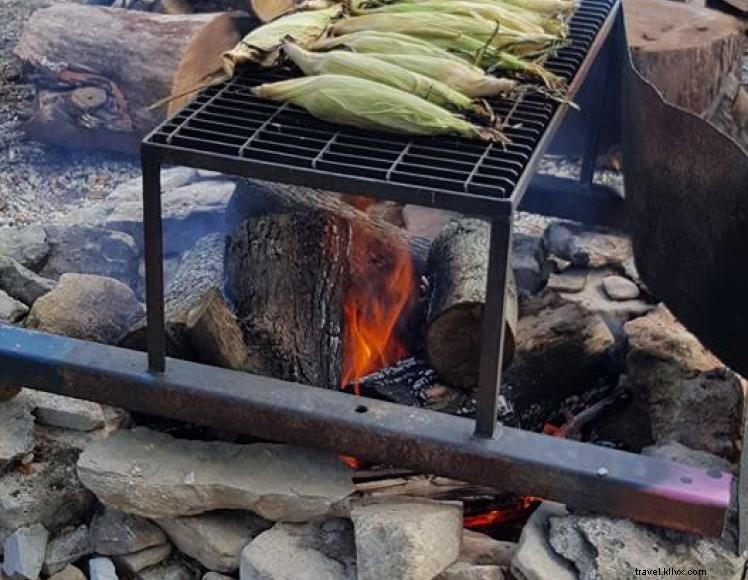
[66, 412]
[215, 539]
[68, 573]
[114, 533]
[11, 310]
[587, 246]
[189, 213]
[92, 250]
[66, 548]
[408, 541]
[689, 394]
[24, 552]
[27, 245]
[535, 558]
[21, 283]
[87, 307]
[16, 433]
[157, 476]
[101, 569]
[300, 552]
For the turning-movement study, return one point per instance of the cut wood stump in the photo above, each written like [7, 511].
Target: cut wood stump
[96, 82]
[683, 50]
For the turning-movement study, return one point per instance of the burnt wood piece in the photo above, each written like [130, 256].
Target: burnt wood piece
[215, 334]
[96, 82]
[405, 382]
[457, 271]
[686, 51]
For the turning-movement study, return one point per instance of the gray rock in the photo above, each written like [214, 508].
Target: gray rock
[21, 283]
[215, 576]
[172, 571]
[674, 451]
[465, 571]
[101, 569]
[189, 213]
[569, 281]
[620, 288]
[608, 549]
[535, 558]
[528, 263]
[49, 493]
[92, 250]
[586, 246]
[11, 310]
[139, 561]
[16, 433]
[171, 178]
[114, 533]
[157, 476]
[86, 307]
[408, 541]
[68, 573]
[24, 552]
[91, 213]
[691, 397]
[66, 412]
[215, 539]
[483, 550]
[66, 548]
[299, 552]
[27, 245]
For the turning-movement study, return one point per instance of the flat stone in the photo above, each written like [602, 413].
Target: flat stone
[300, 552]
[189, 213]
[535, 558]
[21, 283]
[139, 561]
[115, 533]
[216, 576]
[101, 569]
[68, 573]
[16, 433]
[569, 281]
[620, 288]
[609, 549]
[66, 412]
[483, 550]
[215, 539]
[155, 475]
[172, 571]
[11, 310]
[408, 541]
[689, 394]
[87, 307]
[66, 548]
[92, 250]
[587, 246]
[528, 263]
[27, 245]
[465, 571]
[24, 552]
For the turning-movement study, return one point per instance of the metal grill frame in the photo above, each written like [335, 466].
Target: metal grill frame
[581, 475]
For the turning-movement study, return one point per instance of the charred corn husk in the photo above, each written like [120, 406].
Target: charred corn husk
[369, 105]
[367, 41]
[470, 80]
[362, 66]
[509, 62]
[262, 45]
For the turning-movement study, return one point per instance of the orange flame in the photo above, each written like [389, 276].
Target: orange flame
[372, 306]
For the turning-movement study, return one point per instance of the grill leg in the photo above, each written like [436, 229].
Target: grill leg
[154, 264]
[492, 332]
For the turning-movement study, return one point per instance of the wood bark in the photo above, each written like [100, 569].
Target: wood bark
[457, 272]
[215, 334]
[97, 79]
[683, 50]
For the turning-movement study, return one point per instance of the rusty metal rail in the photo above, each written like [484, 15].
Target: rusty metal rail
[580, 475]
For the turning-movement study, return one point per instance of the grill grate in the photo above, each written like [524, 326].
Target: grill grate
[228, 122]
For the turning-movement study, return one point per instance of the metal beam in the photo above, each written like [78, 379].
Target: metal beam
[581, 475]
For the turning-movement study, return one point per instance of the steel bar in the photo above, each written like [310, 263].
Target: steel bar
[581, 475]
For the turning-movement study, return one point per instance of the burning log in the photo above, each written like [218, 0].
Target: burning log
[457, 271]
[406, 382]
[96, 82]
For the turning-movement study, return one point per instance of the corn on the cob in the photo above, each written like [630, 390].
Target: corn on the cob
[469, 80]
[362, 66]
[509, 62]
[368, 105]
[367, 41]
[262, 45]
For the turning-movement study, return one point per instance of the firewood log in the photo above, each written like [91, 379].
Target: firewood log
[457, 271]
[97, 79]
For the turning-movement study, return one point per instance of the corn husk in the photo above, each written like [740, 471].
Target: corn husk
[509, 62]
[373, 106]
[362, 66]
[461, 76]
[368, 41]
[262, 45]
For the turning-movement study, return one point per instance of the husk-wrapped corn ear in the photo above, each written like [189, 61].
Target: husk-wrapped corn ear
[262, 45]
[367, 41]
[369, 105]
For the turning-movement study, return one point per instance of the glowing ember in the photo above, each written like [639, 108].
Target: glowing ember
[350, 461]
[372, 308]
[518, 512]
